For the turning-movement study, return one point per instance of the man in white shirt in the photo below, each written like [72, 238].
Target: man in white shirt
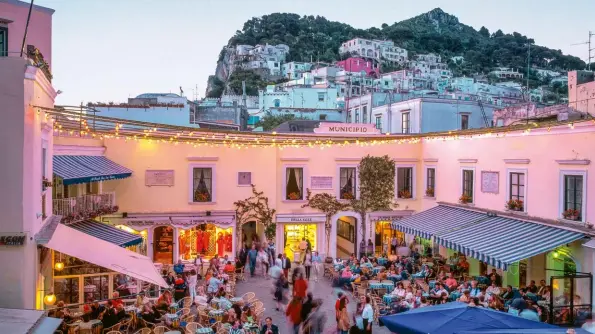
[367, 314]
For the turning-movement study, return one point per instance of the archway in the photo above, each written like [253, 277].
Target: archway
[249, 234]
[346, 237]
[338, 247]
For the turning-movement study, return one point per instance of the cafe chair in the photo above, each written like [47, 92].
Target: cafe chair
[144, 331]
[114, 332]
[248, 296]
[114, 328]
[192, 327]
[160, 330]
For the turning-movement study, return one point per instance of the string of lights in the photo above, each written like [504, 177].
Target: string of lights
[70, 121]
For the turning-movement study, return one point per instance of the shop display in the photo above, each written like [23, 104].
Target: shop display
[294, 235]
[206, 240]
[163, 244]
[384, 234]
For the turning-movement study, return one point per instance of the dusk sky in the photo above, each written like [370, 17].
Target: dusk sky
[109, 50]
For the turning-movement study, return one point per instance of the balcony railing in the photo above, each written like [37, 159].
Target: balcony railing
[86, 205]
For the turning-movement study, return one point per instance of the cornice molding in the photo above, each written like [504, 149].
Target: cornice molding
[202, 158]
[517, 161]
[468, 161]
[581, 162]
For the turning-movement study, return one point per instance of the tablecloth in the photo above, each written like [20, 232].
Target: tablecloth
[382, 261]
[388, 298]
[383, 285]
[376, 270]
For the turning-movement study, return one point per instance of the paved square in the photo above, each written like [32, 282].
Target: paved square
[321, 289]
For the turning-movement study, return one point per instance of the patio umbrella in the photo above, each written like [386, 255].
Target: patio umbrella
[559, 330]
[455, 317]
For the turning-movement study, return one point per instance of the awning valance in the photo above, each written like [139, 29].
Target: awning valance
[107, 233]
[70, 241]
[501, 241]
[74, 169]
[438, 219]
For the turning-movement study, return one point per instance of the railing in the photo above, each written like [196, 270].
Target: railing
[82, 204]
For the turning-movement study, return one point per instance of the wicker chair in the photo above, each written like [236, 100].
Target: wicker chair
[160, 330]
[114, 328]
[248, 296]
[191, 327]
[114, 332]
[144, 331]
[146, 324]
[240, 274]
[186, 302]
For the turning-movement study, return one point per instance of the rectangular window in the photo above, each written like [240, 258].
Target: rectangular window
[322, 117]
[349, 116]
[345, 230]
[379, 123]
[517, 186]
[347, 179]
[464, 122]
[320, 97]
[573, 197]
[356, 115]
[405, 182]
[430, 182]
[405, 122]
[468, 185]
[202, 185]
[294, 187]
[364, 114]
[3, 42]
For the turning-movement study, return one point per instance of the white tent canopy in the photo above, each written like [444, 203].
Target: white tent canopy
[104, 254]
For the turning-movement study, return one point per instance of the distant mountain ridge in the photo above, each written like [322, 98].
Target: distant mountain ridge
[315, 37]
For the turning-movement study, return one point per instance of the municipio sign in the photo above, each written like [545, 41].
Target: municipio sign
[352, 129]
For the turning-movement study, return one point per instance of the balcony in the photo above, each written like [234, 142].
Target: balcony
[86, 206]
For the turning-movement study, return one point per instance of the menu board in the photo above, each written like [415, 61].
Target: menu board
[490, 182]
[159, 178]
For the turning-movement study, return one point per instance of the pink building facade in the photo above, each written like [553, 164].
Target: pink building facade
[13, 19]
[581, 91]
[357, 65]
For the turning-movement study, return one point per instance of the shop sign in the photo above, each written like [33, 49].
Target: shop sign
[300, 219]
[159, 178]
[347, 129]
[321, 182]
[12, 240]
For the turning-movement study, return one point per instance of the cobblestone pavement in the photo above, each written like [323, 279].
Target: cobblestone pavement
[321, 289]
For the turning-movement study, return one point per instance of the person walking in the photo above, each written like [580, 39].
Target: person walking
[308, 263]
[317, 319]
[192, 278]
[344, 323]
[316, 265]
[286, 265]
[252, 255]
[294, 314]
[367, 314]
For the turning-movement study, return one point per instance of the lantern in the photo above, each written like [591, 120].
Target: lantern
[59, 266]
[49, 299]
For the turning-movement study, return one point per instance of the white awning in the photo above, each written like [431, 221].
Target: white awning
[105, 254]
[590, 244]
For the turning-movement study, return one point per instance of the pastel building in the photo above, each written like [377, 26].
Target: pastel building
[375, 49]
[295, 70]
[358, 65]
[581, 91]
[316, 103]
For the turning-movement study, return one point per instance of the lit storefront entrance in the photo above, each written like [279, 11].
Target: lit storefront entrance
[383, 229]
[295, 233]
[174, 237]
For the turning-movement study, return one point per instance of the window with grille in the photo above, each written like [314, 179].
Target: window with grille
[405, 122]
[405, 182]
[202, 184]
[573, 194]
[468, 183]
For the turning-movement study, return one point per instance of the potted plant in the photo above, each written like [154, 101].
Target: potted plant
[430, 192]
[347, 195]
[404, 193]
[465, 199]
[515, 205]
[202, 197]
[571, 214]
[294, 196]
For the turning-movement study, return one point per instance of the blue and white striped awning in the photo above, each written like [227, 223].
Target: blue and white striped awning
[437, 219]
[75, 169]
[107, 233]
[501, 241]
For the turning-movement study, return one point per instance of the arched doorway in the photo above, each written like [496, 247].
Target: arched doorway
[249, 234]
[346, 236]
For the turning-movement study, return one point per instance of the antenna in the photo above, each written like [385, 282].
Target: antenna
[588, 42]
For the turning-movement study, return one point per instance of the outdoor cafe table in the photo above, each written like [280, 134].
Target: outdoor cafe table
[204, 330]
[382, 285]
[376, 270]
[216, 314]
[224, 304]
[95, 325]
[388, 298]
[249, 328]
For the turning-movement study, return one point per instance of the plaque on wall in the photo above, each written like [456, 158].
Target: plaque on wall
[159, 178]
[244, 178]
[321, 182]
[490, 182]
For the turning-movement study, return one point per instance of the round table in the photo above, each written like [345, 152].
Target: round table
[376, 270]
[216, 314]
[383, 285]
[250, 328]
[173, 332]
[388, 298]
[204, 330]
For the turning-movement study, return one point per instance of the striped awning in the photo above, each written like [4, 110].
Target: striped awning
[75, 169]
[502, 241]
[436, 220]
[107, 233]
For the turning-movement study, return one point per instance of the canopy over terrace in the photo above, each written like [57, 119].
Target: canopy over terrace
[70, 241]
[516, 240]
[75, 169]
